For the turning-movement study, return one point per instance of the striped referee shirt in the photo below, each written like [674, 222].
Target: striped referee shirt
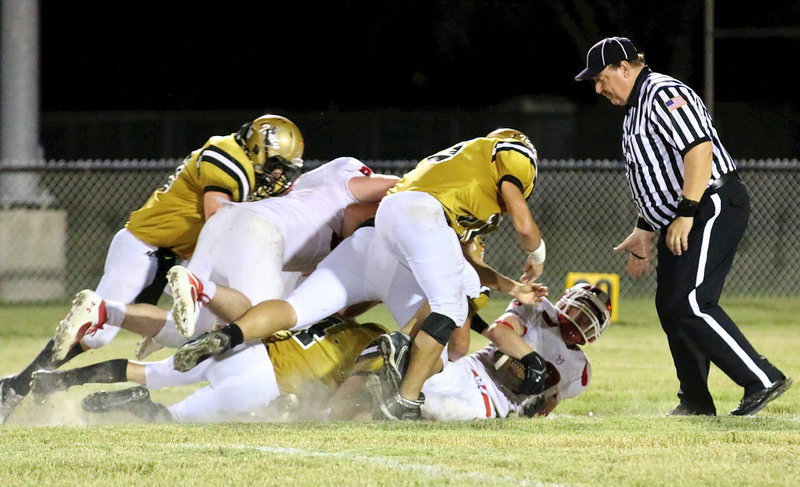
[664, 120]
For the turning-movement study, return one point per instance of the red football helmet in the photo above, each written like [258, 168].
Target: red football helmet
[584, 311]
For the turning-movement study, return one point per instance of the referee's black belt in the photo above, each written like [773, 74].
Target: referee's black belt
[723, 180]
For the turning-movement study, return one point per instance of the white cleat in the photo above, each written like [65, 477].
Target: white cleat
[187, 297]
[87, 315]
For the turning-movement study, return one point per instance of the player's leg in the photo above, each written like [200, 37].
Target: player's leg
[456, 393]
[240, 383]
[415, 226]
[130, 266]
[239, 249]
[335, 283]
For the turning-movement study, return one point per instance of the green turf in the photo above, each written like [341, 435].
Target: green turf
[613, 434]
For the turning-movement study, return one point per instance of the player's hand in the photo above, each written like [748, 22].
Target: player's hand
[530, 293]
[531, 271]
[535, 374]
[678, 234]
[639, 245]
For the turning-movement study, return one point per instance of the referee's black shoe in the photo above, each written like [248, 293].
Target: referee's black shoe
[683, 409]
[755, 402]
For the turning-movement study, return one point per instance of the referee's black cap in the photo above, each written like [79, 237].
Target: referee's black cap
[608, 51]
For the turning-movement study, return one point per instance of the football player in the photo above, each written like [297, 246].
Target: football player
[262, 159]
[449, 199]
[359, 270]
[245, 248]
[501, 379]
[309, 364]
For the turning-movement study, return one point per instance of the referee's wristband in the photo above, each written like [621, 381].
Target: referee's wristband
[537, 256]
[686, 207]
[641, 223]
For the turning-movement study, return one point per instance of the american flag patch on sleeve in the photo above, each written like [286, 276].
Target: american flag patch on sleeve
[675, 103]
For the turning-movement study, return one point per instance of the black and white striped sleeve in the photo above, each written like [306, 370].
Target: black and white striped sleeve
[681, 117]
[219, 171]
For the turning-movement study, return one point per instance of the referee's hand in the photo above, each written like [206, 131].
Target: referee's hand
[639, 245]
[678, 234]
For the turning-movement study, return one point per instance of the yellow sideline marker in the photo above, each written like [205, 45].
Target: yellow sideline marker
[607, 282]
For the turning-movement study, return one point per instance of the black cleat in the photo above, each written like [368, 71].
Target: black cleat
[135, 400]
[8, 399]
[395, 348]
[195, 351]
[399, 408]
[684, 410]
[46, 382]
[755, 402]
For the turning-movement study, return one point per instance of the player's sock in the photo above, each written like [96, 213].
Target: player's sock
[115, 312]
[21, 383]
[108, 372]
[235, 333]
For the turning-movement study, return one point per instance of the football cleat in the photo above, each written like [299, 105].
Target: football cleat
[146, 347]
[399, 408]
[395, 348]
[46, 382]
[187, 297]
[195, 351]
[87, 315]
[685, 410]
[8, 399]
[753, 403]
[135, 400]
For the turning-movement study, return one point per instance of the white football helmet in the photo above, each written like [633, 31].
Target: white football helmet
[584, 311]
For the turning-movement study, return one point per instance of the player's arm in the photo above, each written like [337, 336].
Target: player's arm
[371, 189]
[506, 333]
[527, 230]
[530, 293]
[211, 202]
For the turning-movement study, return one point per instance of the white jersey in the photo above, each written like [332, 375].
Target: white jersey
[473, 387]
[310, 217]
[568, 367]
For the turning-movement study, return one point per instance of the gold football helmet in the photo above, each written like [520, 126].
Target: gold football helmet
[507, 133]
[275, 146]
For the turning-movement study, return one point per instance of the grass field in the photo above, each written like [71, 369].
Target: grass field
[614, 434]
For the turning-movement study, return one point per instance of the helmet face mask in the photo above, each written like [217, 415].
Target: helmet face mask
[275, 147]
[584, 311]
[275, 178]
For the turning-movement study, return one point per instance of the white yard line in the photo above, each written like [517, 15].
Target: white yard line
[383, 462]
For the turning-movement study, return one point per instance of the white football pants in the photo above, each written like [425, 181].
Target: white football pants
[130, 266]
[239, 249]
[414, 227]
[240, 382]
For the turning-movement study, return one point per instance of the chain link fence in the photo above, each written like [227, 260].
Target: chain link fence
[583, 208]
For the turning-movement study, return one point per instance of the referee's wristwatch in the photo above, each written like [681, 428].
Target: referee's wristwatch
[686, 207]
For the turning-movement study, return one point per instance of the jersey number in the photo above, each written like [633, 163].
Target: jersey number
[173, 178]
[446, 154]
[475, 227]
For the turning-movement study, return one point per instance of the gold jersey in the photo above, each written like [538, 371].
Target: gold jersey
[173, 216]
[326, 353]
[466, 179]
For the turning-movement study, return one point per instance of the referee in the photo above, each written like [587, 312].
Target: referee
[685, 184]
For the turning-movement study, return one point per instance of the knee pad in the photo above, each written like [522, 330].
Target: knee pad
[439, 327]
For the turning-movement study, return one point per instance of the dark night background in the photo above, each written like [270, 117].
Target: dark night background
[303, 58]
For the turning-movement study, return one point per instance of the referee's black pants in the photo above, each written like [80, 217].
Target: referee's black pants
[687, 300]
